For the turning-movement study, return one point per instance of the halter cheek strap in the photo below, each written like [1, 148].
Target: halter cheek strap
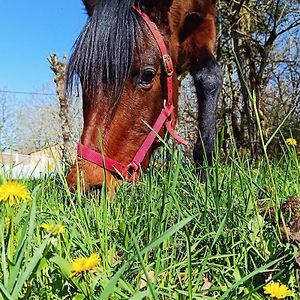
[166, 117]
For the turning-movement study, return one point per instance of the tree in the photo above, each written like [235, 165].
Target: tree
[258, 48]
[7, 117]
[38, 125]
[258, 39]
[59, 69]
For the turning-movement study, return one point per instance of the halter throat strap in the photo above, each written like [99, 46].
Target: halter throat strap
[166, 117]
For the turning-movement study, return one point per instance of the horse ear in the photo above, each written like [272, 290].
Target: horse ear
[89, 6]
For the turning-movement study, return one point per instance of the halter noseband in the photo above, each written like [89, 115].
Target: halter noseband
[166, 117]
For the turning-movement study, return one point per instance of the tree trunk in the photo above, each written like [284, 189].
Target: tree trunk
[59, 68]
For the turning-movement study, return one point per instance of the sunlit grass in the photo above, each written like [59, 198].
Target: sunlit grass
[169, 237]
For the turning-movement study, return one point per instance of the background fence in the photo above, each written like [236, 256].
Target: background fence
[17, 165]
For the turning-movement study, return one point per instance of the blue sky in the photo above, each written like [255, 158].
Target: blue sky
[29, 32]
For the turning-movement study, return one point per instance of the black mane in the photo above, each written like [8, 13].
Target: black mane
[103, 52]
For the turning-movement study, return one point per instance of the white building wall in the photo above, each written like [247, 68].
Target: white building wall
[17, 166]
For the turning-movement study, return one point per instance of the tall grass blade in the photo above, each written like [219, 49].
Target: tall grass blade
[189, 262]
[5, 293]
[112, 283]
[3, 256]
[25, 238]
[63, 264]
[262, 269]
[140, 295]
[149, 283]
[166, 235]
[279, 126]
[220, 229]
[30, 267]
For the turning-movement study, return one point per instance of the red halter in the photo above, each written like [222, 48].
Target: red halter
[166, 117]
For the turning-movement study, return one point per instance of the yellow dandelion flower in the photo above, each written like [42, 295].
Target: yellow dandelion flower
[84, 264]
[50, 167]
[291, 142]
[56, 229]
[277, 290]
[14, 192]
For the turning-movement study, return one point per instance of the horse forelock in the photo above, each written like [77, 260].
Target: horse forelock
[103, 53]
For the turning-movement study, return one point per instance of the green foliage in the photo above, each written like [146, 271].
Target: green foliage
[168, 237]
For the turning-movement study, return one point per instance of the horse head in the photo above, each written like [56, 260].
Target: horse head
[125, 66]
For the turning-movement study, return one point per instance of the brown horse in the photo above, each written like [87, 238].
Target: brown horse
[125, 77]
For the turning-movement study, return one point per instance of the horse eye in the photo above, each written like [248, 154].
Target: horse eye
[147, 76]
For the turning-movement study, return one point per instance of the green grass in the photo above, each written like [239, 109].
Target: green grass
[169, 230]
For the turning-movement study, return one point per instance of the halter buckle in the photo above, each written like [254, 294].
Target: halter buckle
[167, 65]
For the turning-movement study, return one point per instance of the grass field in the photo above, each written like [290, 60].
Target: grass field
[168, 237]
